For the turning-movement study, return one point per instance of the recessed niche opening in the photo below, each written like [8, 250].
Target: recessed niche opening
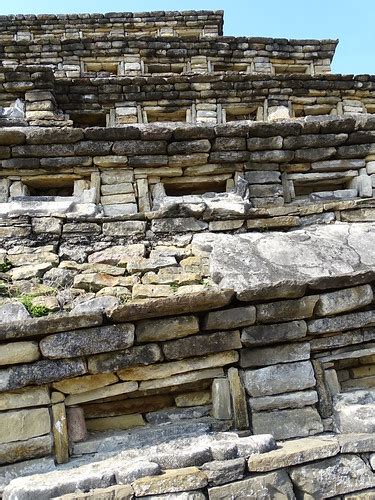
[356, 374]
[326, 189]
[172, 115]
[194, 188]
[104, 69]
[241, 113]
[282, 69]
[86, 120]
[53, 187]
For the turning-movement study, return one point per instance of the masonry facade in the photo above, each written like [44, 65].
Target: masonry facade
[187, 262]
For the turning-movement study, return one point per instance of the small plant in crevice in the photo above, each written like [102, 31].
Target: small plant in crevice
[174, 286]
[34, 310]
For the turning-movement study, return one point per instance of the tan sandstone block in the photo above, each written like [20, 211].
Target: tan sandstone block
[200, 398]
[60, 433]
[166, 329]
[185, 378]
[171, 481]
[104, 392]
[24, 424]
[164, 370]
[86, 383]
[22, 398]
[119, 422]
[19, 352]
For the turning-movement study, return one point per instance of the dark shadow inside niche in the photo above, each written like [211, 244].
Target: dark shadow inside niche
[241, 113]
[188, 188]
[166, 115]
[86, 120]
[50, 187]
[303, 190]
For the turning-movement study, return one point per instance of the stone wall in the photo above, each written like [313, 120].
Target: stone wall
[38, 27]
[131, 55]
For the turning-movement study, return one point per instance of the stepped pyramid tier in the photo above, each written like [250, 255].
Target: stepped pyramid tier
[187, 262]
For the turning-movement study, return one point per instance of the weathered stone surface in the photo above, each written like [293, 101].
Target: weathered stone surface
[24, 450]
[226, 471]
[23, 398]
[356, 443]
[125, 492]
[250, 358]
[333, 303]
[103, 392]
[341, 323]
[24, 424]
[171, 481]
[88, 341]
[41, 372]
[166, 329]
[97, 304]
[221, 401]
[26, 468]
[117, 253]
[281, 401]
[230, 318]
[170, 306]
[274, 265]
[132, 472]
[118, 422]
[294, 452]
[270, 334]
[239, 403]
[165, 370]
[60, 433]
[286, 310]
[85, 383]
[355, 411]
[14, 328]
[13, 312]
[202, 344]
[285, 424]
[19, 352]
[272, 485]
[181, 379]
[198, 398]
[331, 477]
[138, 355]
[280, 378]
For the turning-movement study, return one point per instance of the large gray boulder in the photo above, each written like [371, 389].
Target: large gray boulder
[278, 264]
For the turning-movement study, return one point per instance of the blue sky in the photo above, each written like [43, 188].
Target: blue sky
[353, 22]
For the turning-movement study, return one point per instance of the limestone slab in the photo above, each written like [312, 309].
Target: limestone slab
[346, 300]
[128, 406]
[272, 485]
[24, 450]
[181, 379]
[287, 310]
[103, 392]
[171, 481]
[19, 352]
[165, 370]
[138, 355]
[277, 264]
[239, 403]
[166, 329]
[60, 433]
[278, 379]
[86, 383]
[285, 424]
[331, 477]
[25, 468]
[271, 334]
[24, 424]
[202, 344]
[170, 306]
[32, 396]
[34, 327]
[341, 323]
[281, 401]
[198, 398]
[88, 341]
[289, 353]
[294, 452]
[40, 372]
[224, 471]
[230, 318]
